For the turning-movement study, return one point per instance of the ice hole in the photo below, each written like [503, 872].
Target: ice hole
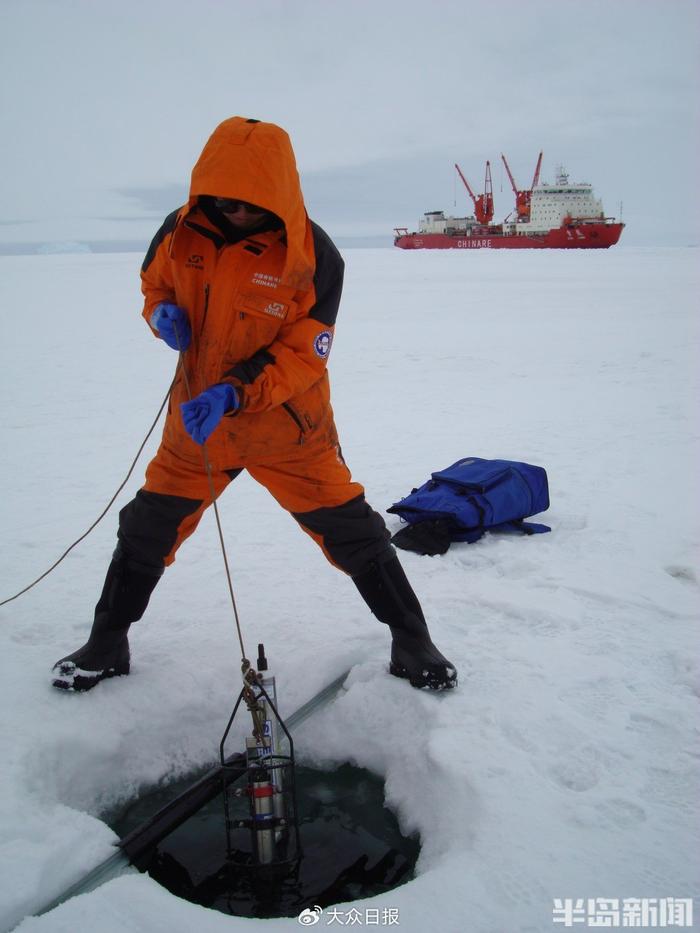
[351, 848]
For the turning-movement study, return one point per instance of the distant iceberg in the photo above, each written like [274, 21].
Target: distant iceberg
[64, 246]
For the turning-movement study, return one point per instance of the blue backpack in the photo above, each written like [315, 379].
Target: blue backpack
[468, 498]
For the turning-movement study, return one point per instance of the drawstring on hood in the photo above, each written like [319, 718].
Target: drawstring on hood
[254, 161]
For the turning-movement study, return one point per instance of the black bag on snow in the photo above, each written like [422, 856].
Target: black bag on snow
[468, 498]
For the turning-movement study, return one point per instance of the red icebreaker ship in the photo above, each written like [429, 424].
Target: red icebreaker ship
[558, 216]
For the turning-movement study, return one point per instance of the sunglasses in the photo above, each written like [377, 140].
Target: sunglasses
[231, 206]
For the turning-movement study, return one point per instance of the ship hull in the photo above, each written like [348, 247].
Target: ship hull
[574, 236]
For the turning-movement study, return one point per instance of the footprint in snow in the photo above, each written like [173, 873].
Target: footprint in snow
[622, 813]
[576, 771]
[682, 574]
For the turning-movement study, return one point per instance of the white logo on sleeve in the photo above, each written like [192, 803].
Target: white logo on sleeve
[322, 344]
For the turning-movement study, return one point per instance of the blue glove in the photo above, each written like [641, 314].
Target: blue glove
[171, 323]
[203, 413]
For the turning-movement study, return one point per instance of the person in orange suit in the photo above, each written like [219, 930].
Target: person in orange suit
[246, 288]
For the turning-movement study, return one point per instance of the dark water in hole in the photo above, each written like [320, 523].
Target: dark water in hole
[351, 848]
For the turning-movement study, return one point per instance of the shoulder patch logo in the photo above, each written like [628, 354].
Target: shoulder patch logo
[322, 344]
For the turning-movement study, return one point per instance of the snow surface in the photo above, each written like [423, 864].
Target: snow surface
[566, 763]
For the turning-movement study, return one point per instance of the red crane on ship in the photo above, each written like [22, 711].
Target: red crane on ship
[523, 198]
[483, 203]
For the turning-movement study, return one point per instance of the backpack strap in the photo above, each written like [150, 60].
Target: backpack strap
[527, 528]
[473, 534]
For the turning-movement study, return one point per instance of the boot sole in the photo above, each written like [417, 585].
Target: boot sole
[77, 680]
[428, 681]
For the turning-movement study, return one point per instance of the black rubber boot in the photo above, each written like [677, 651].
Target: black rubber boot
[125, 594]
[387, 592]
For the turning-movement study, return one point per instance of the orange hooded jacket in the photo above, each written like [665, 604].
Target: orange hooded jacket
[262, 310]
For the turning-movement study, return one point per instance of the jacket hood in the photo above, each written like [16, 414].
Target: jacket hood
[254, 161]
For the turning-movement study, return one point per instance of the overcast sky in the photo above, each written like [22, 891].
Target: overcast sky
[106, 105]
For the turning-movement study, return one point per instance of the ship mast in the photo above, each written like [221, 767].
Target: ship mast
[536, 176]
[524, 196]
[483, 203]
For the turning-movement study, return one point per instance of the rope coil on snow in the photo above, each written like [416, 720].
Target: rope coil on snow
[247, 671]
